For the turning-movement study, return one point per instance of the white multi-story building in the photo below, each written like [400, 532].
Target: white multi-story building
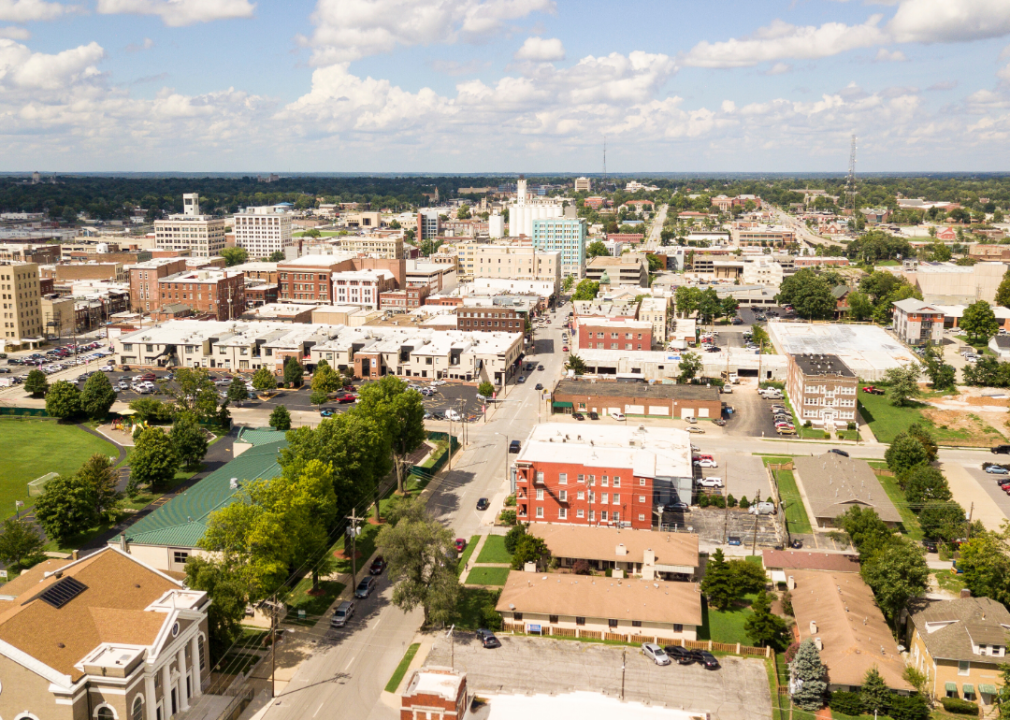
[762, 271]
[496, 226]
[263, 230]
[200, 235]
[524, 211]
[583, 184]
[566, 236]
[361, 287]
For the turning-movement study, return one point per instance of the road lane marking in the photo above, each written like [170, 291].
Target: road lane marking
[318, 708]
[349, 662]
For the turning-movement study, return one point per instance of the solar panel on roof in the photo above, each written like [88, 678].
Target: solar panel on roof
[63, 591]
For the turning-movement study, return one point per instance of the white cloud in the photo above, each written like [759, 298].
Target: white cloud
[541, 50]
[352, 29]
[782, 40]
[779, 68]
[31, 10]
[885, 55]
[945, 21]
[942, 85]
[14, 33]
[20, 68]
[177, 13]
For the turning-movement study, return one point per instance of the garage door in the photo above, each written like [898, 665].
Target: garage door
[702, 412]
[634, 409]
[659, 410]
[686, 412]
[613, 410]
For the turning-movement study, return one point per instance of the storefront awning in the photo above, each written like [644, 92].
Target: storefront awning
[968, 689]
[557, 404]
[950, 687]
[987, 689]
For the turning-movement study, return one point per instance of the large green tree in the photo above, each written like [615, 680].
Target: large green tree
[99, 471]
[764, 628]
[807, 667]
[904, 453]
[924, 484]
[36, 383]
[97, 396]
[195, 392]
[237, 391]
[596, 249]
[19, 542]
[63, 400]
[234, 256]
[979, 321]
[809, 294]
[531, 549]
[280, 418]
[586, 290]
[264, 380]
[690, 366]
[229, 597]
[188, 440]
[874, 692]
[576, 364]
[904, 382]
[66, 507]
[719, 585]
[154, 461]
[896, 574]
[400, 412]
[293, 372]
[1003, 291]
[942, 520]
[868, 532]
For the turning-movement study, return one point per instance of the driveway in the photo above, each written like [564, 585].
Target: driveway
[738, 691]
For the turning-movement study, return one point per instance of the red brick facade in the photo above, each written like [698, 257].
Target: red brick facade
[488, 319]
[217, 293]
[417, 704]
[613, 337]
[410, 298]
[144, 291]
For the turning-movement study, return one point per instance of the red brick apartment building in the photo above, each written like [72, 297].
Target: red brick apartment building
[409, 298]
[822, 389]
[310, 278]
[144, 278]
[488, 319]
[435, 693]
[602, 334]
[613, 476]
[219, 293]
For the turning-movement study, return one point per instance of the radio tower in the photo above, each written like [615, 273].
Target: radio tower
[850, 181]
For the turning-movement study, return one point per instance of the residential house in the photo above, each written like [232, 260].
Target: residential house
[832, 484]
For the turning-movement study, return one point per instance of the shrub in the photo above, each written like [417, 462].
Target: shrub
[847, 703]
[791, 651]
[510, 501]
[850, 426]
[787, 607]
[913, 707]
[959, 706]
[744, 502]
[512, 538]
[808, 424]
[703, 500]
[508, 517]
[581, 567]
[717, 501]
[730, 501]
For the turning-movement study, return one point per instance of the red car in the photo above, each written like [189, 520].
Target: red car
[346, 398]
[872, 390]
[564, 349]
[460, 544]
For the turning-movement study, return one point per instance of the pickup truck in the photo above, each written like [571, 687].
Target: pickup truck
[869, 389]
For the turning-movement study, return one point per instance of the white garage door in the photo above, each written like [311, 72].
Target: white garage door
[702, 412]
[654, 410]
[634, 409]
[687, 412]
[613, 410]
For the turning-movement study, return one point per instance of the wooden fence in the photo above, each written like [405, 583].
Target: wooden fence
[883, 472]
[579, 633]
[780, 466]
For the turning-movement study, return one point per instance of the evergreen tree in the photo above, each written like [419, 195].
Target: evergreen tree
[188, 440]
[718, 584]
[874, 692]
[293, 372]
[764, 628]
[280, 418]
[100, 473]
[19, 541]
[809, 674]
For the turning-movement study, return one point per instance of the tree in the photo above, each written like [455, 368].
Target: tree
[941, 375]
[228, 601]
[904, 383]
[690, 366]
[1003, 291]
[234, 256]
[325, 379]
[860, 307]
[531, 549]
[576, 364]
[748, 577]
[513, 536]
[486, 389]
[153, 462]
[718, 584]
[809, 294]
[188, 440]
[686, 300]
[151, 410]
[985, 560]
[1003, 699]
[808, 669]
[36, 383]
[400, 412]
[586, 290]
[943, 521]
[195, 393]
[463, 213]
[98, 396]
[20, 541]
[896, 575]
[66, 508]
[868, 532]
[63, 400]
[100, 473]
[276, 256]
[280, 418]
[237, 391]
[905, 453]
[264, 380]
[764, 628]
[874, 693]
[979, 321]
[596, 249]
[920, 433]
[923, 484]
[293, 372]
[422, 564]
[567, 283]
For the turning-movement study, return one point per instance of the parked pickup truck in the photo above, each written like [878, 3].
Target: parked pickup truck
[873, 390]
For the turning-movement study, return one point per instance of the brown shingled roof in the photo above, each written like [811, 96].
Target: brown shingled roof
[600, 543]
[805, 560]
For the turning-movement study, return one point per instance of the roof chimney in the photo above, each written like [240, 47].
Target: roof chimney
[965, 593]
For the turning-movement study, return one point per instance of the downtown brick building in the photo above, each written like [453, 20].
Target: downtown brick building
[608, 334]
[489, 318]
[217, 293]
[614, 476]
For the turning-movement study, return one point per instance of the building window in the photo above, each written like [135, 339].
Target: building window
[603, 516]
[105, 713]
[138, 709]
[612, 622]
[580, 513]
[180, 556]
[540, 477]
[963, 667]
[562, 478]
[563, 496]
[580, 620]
[677, 627]
[540, 512]
[641, 482]
[617, 499]
[641, 498]
[202, 650]
[636, 623]
[580, 495]
[552, 619]
[641, 517]
[582, 478]
[562, 513]
[540, 494]
[617, 481]
[518, 617]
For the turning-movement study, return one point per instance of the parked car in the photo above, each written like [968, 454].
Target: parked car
[460, 544]
[734, 540]
[997, 470]
[706, 463]
[346, 398]
[1003, 481]
[377, 566]
[365, 587]
[326, 412]
[710, 482]
[106, 368]
[617, 415]
[540, 367]
[483, 504]
[342, 614]
[786, 431]
[521, 380]
[594, 416]
[836, 451]
[488, 639]
[674, 506]
[930, 545]
[655, 653]
[1001, 450]
[539, 386]
[564, 348]
[696, 430]
[578, 416]
[706, 659]
[870, 390]
[515, 446]
[762, 508]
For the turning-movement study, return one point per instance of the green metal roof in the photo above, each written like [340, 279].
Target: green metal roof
[259, 436]
[950, 687]
[968, 689]
[987, 689]
[182, 521]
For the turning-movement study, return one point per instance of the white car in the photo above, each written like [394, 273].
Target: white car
[106, 368]
[438, 382]
[713, 482]
[655, 653]
[706, 463]
[618, 416]
[452, 415]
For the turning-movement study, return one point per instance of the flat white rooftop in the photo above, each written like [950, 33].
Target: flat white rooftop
[866, 349]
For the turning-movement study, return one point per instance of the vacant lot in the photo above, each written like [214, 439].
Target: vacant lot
[33, 448]
[948, 427]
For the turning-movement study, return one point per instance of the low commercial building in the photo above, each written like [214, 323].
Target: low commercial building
[838, 611]
[144, 278]
[581, 606]
[822, 389]
[867, 350]
[650, 555]
[387, 245]
[605, 334]
[404, 300]
[833, 484]
[665, 365]
[489, 318]
[191, 232]
[281, 312]
[763, 236]
[959, 645]
[221, 293]
[105, 637]
[590, 475]
[917, 323]
[435, 692]
[637, 399]
[629, 269]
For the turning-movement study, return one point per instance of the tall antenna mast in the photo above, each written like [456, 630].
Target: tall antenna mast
[604, 162]
[850, 181]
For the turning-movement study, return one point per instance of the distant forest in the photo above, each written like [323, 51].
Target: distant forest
[111, 198]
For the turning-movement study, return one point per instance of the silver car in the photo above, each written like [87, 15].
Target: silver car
[655, 653]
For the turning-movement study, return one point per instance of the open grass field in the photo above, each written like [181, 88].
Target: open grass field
[33, 448]
[494, 551]
[958, 429]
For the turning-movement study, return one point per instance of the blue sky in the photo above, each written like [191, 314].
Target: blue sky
[503, 85]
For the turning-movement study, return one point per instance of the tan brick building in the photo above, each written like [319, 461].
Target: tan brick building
[21, 298]
[822, 390]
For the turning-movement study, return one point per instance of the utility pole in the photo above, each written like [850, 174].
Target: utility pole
[761, 355]
[273, 647]
[452, 646]
[352, 530]
[754, 544]
[624, 667]
[450, 443]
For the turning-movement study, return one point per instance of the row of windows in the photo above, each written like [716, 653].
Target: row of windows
[581, 514]
[604, 479]
[581, 495]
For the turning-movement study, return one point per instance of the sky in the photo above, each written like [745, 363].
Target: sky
[506, 86]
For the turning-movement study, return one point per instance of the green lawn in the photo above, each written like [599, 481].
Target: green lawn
[237, 662]
[908, 518]
[949, 581]
[36, 447]
[494, 550]
[314, 606]
[488, 576]
[467, 552]
[401, 669]
[725, 626]
[796, 513]
[887, 420]
[476, 608]
[252, 637]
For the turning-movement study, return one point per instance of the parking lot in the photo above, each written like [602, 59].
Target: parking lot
[737, 691]
[990, 484]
